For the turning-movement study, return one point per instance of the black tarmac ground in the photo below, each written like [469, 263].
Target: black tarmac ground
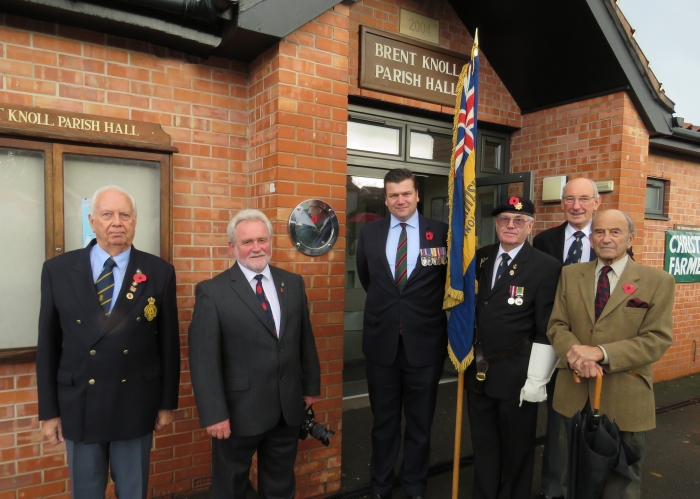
[671, 466]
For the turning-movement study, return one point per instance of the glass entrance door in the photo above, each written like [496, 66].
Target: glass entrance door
[365, 203]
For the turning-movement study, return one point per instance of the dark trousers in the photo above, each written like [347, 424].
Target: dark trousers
[231, 460]
[503, 439]
[552, 459]
[128, 461]
[415, 390]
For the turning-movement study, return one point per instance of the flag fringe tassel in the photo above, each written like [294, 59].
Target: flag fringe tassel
[460, 365]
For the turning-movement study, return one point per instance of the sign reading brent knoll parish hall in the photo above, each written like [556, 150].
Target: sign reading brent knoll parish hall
[402, 66]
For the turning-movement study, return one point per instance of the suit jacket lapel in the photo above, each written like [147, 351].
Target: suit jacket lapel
[618, 296]
[487, 272]
[383, 227]
[558, 242]
[84, 288]
[123, 305]
[587, 286]
[242, 288]
[280, 287]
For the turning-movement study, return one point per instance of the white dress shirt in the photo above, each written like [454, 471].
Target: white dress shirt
[268, 285]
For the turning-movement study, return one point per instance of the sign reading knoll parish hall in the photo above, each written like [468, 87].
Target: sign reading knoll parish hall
[402, 66]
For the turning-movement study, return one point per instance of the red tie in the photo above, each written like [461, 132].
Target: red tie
[260, 293]
[602, 292]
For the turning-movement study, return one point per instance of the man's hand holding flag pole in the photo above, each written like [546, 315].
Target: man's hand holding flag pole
[460, 288]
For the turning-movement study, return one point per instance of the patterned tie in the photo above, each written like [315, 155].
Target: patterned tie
[602, 292]
[260, 293]
[401, 271]
[575, 249]
[505, 257]
[105, 285]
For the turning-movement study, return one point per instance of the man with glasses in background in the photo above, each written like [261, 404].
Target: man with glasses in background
[569, 243]
[513, 358]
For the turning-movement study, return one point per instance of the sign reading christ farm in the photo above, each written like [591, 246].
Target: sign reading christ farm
[401, 66]
[683, 255]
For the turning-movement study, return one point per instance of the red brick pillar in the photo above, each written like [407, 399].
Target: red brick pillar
[298, 125]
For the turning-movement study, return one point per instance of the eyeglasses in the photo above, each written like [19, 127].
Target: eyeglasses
[583, 200]
[519, 222]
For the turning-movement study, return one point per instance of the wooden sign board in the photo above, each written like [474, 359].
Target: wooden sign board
[77, 127]
[401, 66]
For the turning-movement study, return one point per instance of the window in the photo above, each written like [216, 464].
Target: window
[43, 197]
[655, 202]
[493, 152]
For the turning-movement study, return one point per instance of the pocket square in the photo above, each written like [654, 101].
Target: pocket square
[637, 303]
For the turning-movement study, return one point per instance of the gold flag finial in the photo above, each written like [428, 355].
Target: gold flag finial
[475, 47]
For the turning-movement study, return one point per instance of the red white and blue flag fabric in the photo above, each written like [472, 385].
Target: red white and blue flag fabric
[460, 288]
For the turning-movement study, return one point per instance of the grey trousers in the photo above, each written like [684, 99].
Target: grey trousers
[616, 486]
[128, 461]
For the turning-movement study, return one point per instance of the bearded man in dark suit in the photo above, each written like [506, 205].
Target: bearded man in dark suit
[108, 356]
[254, 364]
[513, 358]
[569, 243]
[404, 339]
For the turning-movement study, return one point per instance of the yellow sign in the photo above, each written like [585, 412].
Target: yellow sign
[417, 26]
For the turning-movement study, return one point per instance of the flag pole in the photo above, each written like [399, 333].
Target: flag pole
[458, 435]
[460, 373]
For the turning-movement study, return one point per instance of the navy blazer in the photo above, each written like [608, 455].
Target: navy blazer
[416, 313]
[106, 377]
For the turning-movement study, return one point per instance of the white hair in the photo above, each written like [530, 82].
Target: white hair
[102, 190]
[244, 216]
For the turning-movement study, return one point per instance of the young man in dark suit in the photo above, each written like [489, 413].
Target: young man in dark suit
[254, 364]
[513, 358]
[569, 243]
[108, 356]
[400, 266]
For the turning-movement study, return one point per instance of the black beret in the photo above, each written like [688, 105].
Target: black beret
[515, 204]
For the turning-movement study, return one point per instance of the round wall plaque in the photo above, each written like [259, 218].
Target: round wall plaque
[313, 227]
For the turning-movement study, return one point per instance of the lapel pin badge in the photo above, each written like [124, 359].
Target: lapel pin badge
[282, 287]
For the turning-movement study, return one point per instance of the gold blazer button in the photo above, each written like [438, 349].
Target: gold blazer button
[92, 381]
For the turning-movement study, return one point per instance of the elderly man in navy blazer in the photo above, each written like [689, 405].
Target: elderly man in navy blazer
[108, 356]
[401, 265]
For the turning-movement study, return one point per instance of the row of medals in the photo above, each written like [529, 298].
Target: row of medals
[433, 256]
[516, 295]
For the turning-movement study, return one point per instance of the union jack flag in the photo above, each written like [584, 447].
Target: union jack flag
[460, 289]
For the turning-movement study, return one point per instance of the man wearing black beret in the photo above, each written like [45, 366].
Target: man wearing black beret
[513, 358]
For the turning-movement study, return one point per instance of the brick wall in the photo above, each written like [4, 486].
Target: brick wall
[604, 138]
[682, 193]
[268, 135]
[298, 116]
[239, 130]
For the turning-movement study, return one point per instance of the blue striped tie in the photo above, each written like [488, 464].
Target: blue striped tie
[105, 285]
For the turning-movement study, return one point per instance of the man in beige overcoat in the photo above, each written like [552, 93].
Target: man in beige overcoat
[612, 316]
